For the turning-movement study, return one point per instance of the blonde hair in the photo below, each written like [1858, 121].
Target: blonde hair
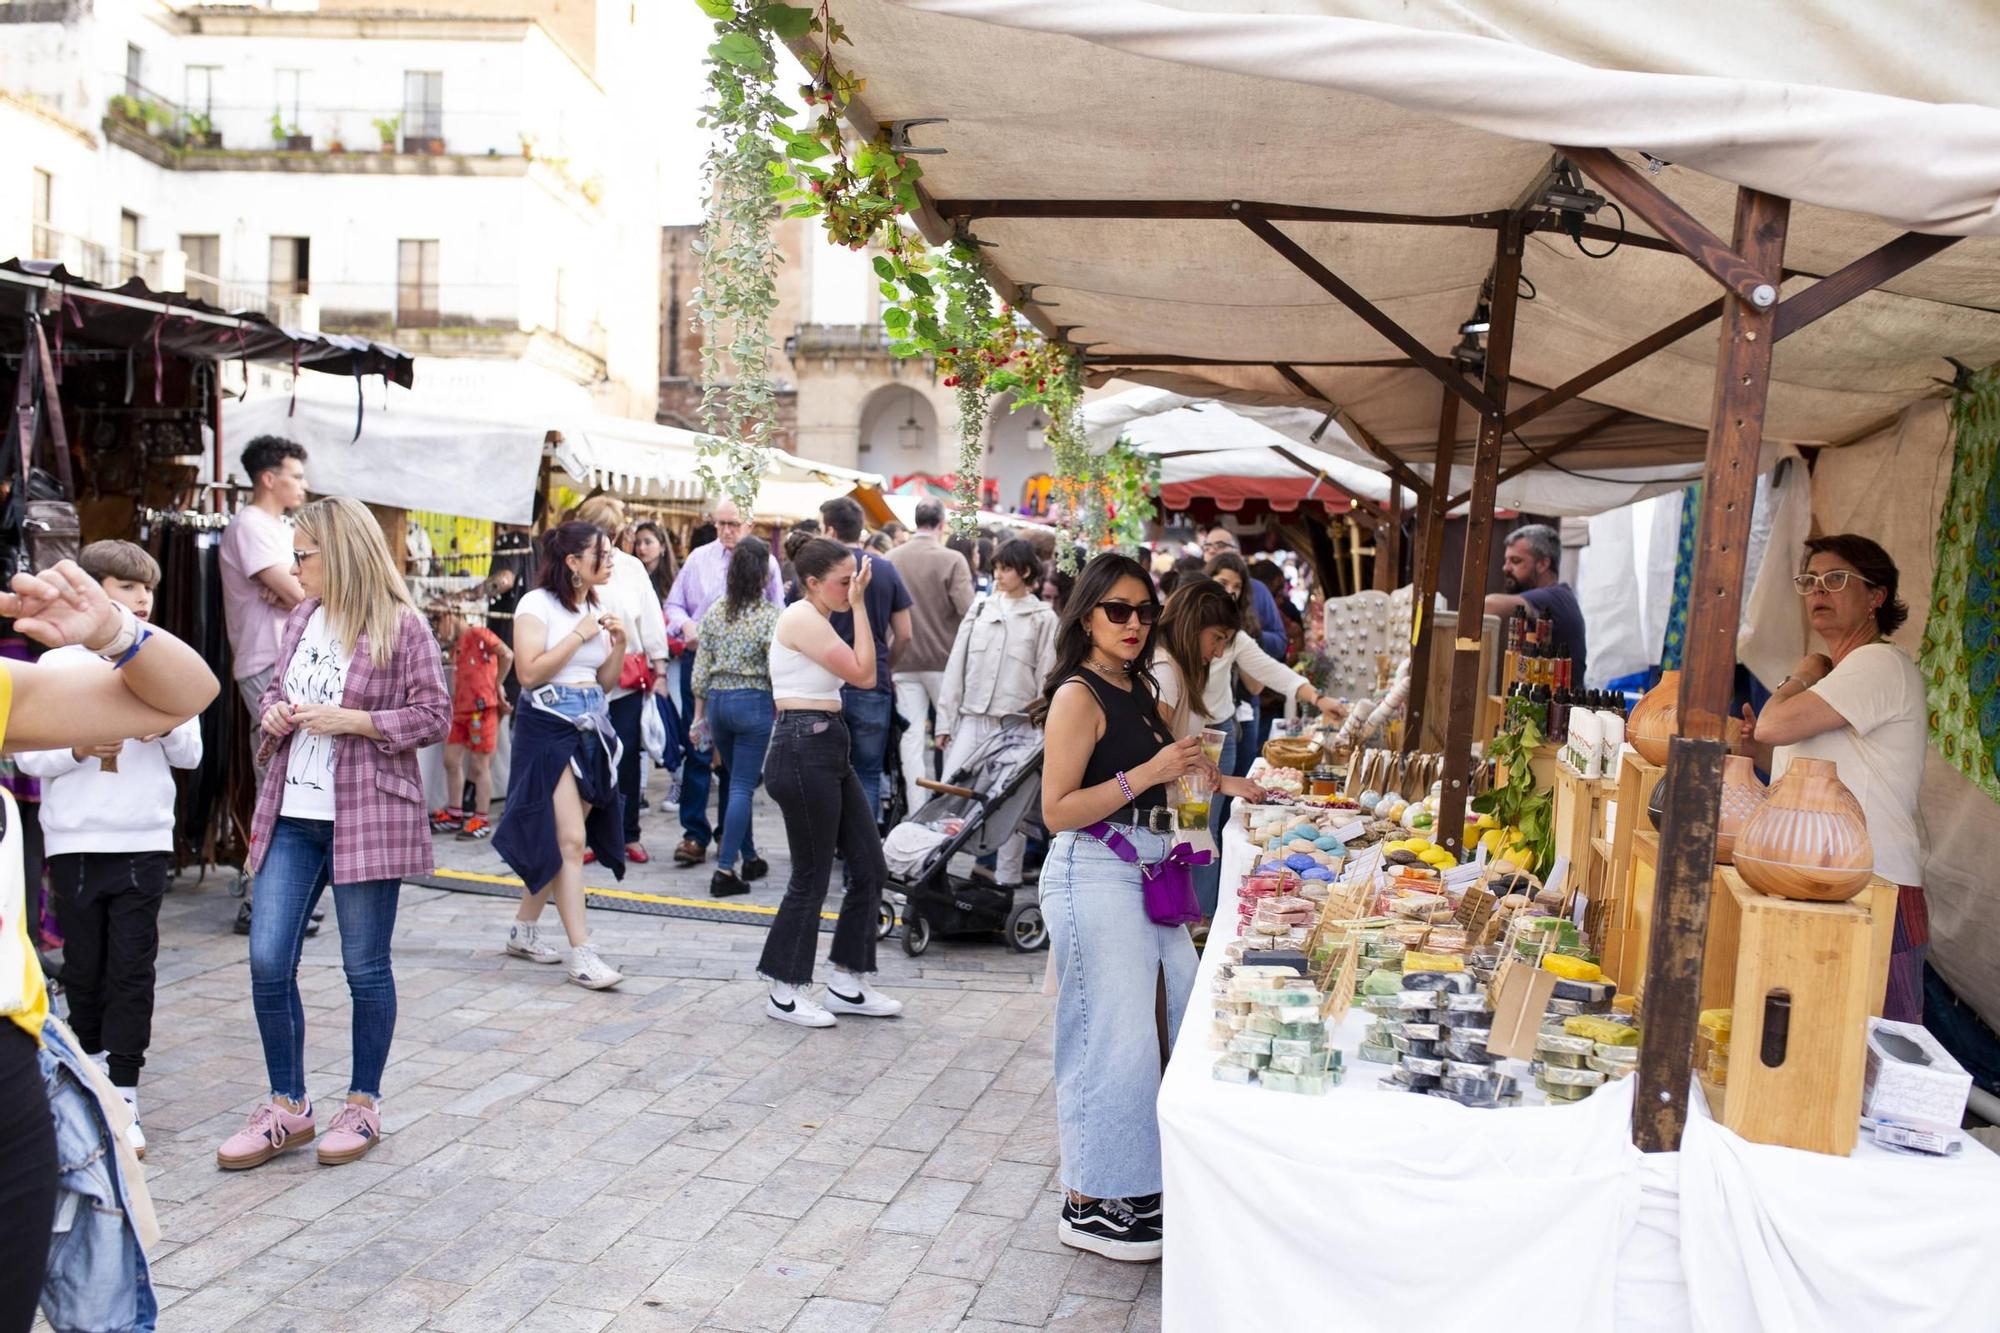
[603, 511]
[365, 594]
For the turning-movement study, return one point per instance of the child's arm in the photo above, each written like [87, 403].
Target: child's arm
[183, 744]
[46, 764]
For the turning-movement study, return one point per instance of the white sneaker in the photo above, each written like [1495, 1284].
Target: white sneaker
[589, 971]
[524, 941]
[137, 1138]
[869, 1003]
[801, 1009]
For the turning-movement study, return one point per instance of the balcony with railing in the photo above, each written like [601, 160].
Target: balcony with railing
[837, 340]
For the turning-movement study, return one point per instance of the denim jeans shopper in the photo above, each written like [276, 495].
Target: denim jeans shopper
[695, 768]
[295, 874]
[814, 784]
[1108, 956]
[868, 714]
[97, 1280]
[740, 721]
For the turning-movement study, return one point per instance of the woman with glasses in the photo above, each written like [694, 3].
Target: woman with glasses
[358, 689]
[1861, 705]
[1108, 754]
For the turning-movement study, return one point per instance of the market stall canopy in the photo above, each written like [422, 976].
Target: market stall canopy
[903, 509]
[134, 316]
[1218, 176]
[646, 460]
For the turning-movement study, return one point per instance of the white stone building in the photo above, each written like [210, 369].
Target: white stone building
[475, 179]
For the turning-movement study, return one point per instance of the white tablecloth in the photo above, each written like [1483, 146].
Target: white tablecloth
[1369, 1209]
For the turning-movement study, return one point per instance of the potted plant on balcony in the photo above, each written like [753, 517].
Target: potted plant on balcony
[431, 145]
[126, 108]
[385, 128]
[289, 137]
[201, 130]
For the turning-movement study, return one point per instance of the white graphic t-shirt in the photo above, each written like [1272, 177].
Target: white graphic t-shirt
[317, 674]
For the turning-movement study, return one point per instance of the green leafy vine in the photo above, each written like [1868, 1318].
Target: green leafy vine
[1515, 799]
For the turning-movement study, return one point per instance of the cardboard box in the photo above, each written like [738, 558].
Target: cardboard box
[1912, 1078]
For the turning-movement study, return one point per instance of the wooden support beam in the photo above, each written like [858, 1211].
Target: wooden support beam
[1397, 468]
[1174, 359]
[1328, 281]
[1199, 210]
[1870, 271]
[1464, 700]
[1708, 668]
[1597, 231]
[1612, 365]
[1389, 542]
[1429, 556]
[1537, 457]
[1739, 274]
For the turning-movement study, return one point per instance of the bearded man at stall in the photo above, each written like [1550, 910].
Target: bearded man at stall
[1532, 576]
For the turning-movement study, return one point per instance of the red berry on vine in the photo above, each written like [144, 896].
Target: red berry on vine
[951, 381]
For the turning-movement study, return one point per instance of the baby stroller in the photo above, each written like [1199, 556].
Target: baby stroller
[993, 795]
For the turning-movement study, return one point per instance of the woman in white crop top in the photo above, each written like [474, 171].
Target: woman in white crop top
[810, 774]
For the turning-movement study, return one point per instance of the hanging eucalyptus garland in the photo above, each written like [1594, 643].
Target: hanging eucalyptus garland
[739, 259]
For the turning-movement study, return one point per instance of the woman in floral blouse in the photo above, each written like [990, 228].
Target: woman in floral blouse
[732, 696]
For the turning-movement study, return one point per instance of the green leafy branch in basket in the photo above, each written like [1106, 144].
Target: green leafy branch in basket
[1515, 799]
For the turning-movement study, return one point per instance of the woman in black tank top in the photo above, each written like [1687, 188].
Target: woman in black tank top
[1107, 756]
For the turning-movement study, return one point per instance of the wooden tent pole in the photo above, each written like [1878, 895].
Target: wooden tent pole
[1389, 542]
[1708, 667]
[1428, 556]
[1463, 706]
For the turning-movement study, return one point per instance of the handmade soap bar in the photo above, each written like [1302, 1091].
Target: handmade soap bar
[1602, 1029]
[1561, 1043]
[1432, 962]
[1572, 969]
[1589, 992]
[1383, 1054]
[1459, 982]
[1228, 1073]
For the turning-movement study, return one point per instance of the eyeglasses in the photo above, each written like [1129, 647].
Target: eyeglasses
[1224, 545]
[299, 557]
[1834, 580]
[726, 525]
[1118, 613]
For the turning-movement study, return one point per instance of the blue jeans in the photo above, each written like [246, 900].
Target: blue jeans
[867, 714]
[1109, 957]
[1208, 878]
[695, 768]
[296, 871]
[740, 722]
[96, 1277]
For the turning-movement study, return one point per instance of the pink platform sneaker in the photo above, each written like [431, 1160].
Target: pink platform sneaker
[354, 1130]
[273, 1128]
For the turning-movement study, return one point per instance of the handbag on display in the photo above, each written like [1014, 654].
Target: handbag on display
[40, 526]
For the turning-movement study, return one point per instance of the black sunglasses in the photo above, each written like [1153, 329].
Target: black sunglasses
[1120, 612]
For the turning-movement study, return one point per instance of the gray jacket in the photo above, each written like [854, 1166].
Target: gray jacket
[1005, 649]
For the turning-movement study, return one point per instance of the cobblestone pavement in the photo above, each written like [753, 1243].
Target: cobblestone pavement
[660, 1157]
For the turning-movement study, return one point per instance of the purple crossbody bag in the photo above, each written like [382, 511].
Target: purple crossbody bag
[1168, 885]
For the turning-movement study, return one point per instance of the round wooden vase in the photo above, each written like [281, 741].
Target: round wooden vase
[1654, 718]
[1807, 839]
[1742, 797]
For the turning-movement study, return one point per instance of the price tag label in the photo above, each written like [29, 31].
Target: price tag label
[1558, 872]
[1479, 856]
[1350, 831]
[1460, 878]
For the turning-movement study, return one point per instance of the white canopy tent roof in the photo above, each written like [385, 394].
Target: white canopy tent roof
[1384, 145]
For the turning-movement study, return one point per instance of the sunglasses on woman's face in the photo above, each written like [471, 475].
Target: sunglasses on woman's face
[1119, 613]
[1834, 580]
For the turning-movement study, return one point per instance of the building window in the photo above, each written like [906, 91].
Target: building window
[42, 202]
[135, 71]
[291, 265]
[416, 284]
[201, 81]
[129, 258]
[423, 104]
[291, 95]
[204, 267]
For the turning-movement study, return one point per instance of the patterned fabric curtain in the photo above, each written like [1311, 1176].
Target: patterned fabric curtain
[1677, 617]
[1961, 653]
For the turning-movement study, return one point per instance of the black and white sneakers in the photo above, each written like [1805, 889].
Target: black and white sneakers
[1112, 1228]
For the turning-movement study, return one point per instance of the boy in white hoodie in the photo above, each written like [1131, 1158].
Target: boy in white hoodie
[108, 818]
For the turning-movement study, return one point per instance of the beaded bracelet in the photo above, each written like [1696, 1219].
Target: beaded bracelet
[1126, 788]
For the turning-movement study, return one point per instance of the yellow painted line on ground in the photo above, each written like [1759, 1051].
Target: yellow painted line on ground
[631, 895]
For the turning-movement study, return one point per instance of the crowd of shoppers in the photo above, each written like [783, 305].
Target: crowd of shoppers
[939, 583]
[733, 711]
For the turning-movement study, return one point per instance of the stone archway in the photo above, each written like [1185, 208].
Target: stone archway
[1017, 452]
[900, 431]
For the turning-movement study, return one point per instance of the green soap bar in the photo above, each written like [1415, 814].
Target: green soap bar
[1314, 1031]
[1245, 1059]
[1383, 982]
[1251, 1043]
[1381, 1055]
[1225, 1073]
[1263, 1023]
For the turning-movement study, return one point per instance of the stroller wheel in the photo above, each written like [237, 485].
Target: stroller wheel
[1025, 929]
[885, 920]
[916, 934]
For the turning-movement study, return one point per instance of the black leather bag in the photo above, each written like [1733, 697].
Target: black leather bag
[40, 526]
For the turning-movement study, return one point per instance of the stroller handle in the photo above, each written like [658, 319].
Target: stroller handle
[947, 789]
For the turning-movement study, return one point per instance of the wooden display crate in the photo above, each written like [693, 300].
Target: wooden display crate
[1809, 970]
[1579, 820]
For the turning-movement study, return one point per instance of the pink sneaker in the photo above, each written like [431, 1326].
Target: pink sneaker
[273, 1128]
[353, 1132]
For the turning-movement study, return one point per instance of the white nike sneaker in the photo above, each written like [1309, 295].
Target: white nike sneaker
[589, 971]
[524, 941]
[137, 1138]
[801, 1009]
[869, 1003]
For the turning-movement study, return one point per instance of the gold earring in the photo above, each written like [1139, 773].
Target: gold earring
[576, 580]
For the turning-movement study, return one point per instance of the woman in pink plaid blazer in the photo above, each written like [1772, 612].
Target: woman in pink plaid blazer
[359, 687]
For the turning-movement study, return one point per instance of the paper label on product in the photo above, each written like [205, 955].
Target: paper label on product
[1521, 997]
[1363, 865]
[1460, 878]
[1558, 873]
[1479, 856]
[1349, 832]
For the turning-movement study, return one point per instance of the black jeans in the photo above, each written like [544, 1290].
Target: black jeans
[810, 776]
[625, 717]
[108, 904]
[27, 1178]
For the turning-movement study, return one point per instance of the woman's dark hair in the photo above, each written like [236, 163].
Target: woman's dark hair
[1871, 562]
[1245, 599]
[662, 573]
[558, 545]
[703, 534]
[1099, 577]
[1199, 603]
[818, 558]
[1018, 556]
[749, 568]
[984, 546]
[796, 539]
[967, 551]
